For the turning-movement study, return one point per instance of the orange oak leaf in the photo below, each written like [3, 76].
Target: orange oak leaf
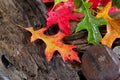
[113, 27]
[54, 43]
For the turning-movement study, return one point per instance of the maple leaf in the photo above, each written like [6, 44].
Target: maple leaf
[62, 15]
[113, 28]
[53, 43]
[91, 24]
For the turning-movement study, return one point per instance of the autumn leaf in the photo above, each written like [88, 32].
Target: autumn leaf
[104, 12]
[62, 16]
[113, 32]
[54, 43]
[113, 28]
[91, 24]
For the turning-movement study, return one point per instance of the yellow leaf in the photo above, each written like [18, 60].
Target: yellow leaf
[113, 27]
[104, 12]
[113, 32]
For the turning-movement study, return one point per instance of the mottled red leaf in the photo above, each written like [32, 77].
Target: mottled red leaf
[62, 15]
[62, 18]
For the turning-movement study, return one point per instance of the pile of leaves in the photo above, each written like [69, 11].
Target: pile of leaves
[94, 13]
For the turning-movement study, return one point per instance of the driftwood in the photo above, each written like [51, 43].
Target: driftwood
[23, 60]
[20, 59]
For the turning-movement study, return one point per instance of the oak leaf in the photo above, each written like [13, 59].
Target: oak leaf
[113, 28]
[54, 43]
[113, 32]
[91, 24]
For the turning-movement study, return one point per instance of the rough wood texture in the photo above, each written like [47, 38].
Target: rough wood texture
[20, 59]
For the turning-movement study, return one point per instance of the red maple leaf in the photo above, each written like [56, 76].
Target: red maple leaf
[61, 15]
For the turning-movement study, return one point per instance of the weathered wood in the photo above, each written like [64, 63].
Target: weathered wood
[22, 60]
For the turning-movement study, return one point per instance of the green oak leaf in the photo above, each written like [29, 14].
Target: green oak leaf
[59, 1]
[78, 3]
[82, 8]
[91, 24]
